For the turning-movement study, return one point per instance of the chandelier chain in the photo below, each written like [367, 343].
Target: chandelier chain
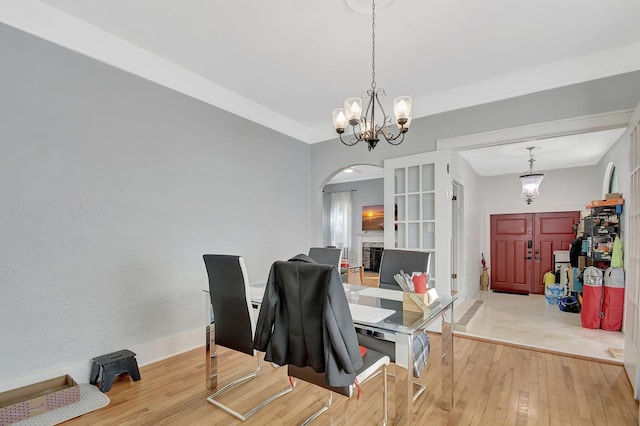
[373, 47]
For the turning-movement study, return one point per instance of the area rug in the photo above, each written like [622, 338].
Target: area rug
[90, 399]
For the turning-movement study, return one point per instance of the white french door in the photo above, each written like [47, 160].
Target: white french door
[632, 308]
[417, 216]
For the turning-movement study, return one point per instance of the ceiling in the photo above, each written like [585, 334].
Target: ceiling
[286, 64]
[358, 172]
[561, 152]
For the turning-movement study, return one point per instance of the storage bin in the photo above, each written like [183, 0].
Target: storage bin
[553, 293]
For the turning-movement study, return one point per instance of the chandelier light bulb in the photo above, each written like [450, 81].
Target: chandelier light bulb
[402, 109]
[353, 109]
[339, 120]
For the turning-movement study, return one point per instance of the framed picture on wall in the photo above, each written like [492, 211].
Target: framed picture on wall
[373, 218]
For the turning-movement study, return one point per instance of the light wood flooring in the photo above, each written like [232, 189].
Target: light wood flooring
[493, 385]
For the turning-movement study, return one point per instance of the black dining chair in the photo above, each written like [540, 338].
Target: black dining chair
[234, 321]
[329, 256]
[394, 260]
[294, 328]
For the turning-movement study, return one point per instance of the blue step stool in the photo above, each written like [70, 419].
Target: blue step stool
[106, 367]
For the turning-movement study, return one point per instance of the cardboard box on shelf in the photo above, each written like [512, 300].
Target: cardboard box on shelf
[612, 195]
[29, 401]
[611, 202]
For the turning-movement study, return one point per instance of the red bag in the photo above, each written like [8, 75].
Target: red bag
[613, 302]
[592, 298]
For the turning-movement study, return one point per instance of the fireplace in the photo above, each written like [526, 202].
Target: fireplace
[371, 256]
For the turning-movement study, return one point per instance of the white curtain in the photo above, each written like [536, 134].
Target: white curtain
[339, 219]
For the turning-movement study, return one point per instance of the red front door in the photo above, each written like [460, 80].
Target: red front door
[522, 247]
[511, 262]
[552, 231]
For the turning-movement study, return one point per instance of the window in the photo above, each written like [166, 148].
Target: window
[339, 222]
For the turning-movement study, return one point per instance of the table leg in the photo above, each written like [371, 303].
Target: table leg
[211, 357]
[446, 401]
[404, 379]
[210, 348]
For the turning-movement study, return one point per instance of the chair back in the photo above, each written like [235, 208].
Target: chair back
[313, 314]
[234, 318]
[326, 255]
[394, 260]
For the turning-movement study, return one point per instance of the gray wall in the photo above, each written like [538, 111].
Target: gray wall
[112, 188]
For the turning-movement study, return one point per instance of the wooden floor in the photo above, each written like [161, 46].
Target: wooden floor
[493, 385]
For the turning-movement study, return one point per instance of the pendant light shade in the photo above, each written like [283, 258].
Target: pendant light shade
[531, 180]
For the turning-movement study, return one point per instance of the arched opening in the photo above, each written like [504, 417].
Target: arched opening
[346, 193]
[610, 181]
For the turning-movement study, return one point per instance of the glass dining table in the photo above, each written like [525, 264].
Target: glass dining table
[379, 313]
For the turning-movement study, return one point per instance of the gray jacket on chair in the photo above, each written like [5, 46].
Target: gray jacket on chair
[305, 320]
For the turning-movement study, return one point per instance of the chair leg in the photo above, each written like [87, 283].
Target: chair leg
[418, 387]
[384, 394]
[320, 411]
[243, 417]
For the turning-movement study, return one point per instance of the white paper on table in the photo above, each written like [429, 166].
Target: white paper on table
[256, 293]
[370, 314]
[382, 293]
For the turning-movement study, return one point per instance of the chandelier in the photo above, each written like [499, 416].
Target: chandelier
[371, 125]
[530, 180]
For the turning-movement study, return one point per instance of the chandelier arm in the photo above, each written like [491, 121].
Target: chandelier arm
[386, 121]
[391, 141]
[390, 137]
[353, 141]
[370, 107]
[384, 130]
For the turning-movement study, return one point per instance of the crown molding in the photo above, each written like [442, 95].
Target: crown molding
[57, 27]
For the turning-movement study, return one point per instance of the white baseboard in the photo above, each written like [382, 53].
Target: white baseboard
[146, 353]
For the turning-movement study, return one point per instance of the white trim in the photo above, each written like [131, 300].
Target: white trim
[548, 129]
[146, 353]
[65, 30]
[51, 24]
[545, 77]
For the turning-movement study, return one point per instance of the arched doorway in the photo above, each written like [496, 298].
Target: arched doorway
[359, 185]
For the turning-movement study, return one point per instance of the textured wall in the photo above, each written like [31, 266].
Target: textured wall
[111, 190]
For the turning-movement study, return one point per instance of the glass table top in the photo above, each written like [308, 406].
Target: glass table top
[388, 303]
[379, 309]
